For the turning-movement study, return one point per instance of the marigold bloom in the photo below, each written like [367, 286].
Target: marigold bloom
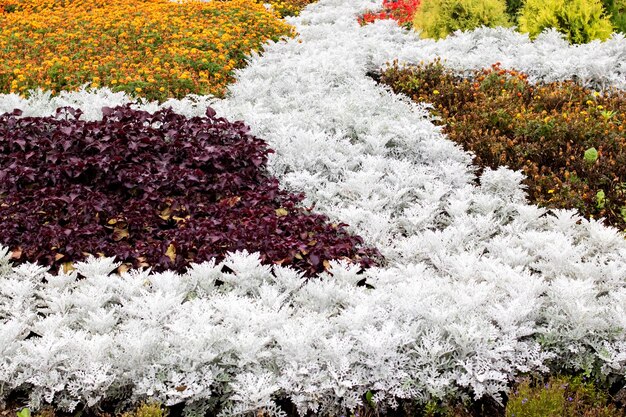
[159, 47]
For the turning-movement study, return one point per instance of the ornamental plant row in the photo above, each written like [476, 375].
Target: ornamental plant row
[548, 58]
[154, 190]
[567, 140]
[237, 342]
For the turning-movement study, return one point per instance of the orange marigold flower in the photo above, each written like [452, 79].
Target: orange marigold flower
[130, 44]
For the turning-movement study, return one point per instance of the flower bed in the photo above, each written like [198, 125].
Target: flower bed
[148, 48]
[157, 191]
[479, 288]
[567, 140]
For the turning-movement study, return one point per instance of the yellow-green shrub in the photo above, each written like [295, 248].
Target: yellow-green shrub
[438, 18]
[580, 20]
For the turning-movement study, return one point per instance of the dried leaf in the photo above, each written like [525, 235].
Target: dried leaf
[68, 267]
[119, 234]
[16, 254]
[143, 262]
[281, 261]
[166, 214]
[230, 202]
[171, 252]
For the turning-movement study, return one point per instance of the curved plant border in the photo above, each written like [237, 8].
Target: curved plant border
[481, 286]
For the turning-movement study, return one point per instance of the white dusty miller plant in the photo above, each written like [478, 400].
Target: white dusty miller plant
[262, 335]
[479, 286]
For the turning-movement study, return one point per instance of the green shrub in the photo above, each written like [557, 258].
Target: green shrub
[560, 397]
[512, 8]
[617, 12]
[580, 20]
[438, 18]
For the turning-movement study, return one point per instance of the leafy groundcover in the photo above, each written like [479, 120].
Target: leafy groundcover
[157, 190]
[568, 140]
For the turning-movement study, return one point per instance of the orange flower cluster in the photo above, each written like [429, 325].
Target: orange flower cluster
[149, 48]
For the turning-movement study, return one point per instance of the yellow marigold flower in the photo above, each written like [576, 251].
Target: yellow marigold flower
[86, 39]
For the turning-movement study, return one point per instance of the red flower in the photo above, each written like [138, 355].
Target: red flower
[401, 11]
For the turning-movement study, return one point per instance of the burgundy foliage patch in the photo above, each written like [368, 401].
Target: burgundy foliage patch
[158, 190]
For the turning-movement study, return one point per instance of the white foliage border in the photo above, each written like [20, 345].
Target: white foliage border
[480, 286]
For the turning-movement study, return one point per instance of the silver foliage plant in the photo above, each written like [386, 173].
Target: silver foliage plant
[549, 58]
[479, 286]
[262, 335]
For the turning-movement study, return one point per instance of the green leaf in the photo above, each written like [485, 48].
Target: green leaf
[24, 412]
[600, 199]
[591, 155]
[369, 398]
